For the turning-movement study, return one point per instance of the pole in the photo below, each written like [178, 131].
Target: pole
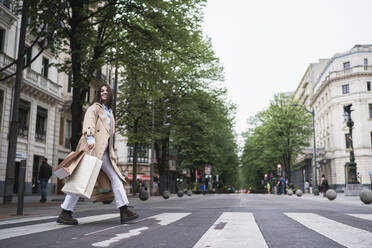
[152, 149]
[21, 187]
[13, 129]
[315, 176]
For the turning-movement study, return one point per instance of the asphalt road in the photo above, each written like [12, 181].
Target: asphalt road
[226, 220]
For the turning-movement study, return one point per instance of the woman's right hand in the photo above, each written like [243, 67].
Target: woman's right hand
[91, 146]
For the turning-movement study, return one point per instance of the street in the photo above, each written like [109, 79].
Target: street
[216, 220]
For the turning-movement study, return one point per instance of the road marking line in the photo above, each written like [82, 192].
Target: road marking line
[343, 234]
[15, 221]
[167, 218]
[233, 229]
[120, 236]
[362, 216]
[164, 219]
[37, 228]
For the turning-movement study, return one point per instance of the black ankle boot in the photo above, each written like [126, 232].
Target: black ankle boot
[65, 218]
[127, 215]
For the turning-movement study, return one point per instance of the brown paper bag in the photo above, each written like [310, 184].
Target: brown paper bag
[68, 165]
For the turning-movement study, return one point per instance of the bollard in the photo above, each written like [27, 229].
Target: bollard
[290, 192]
[189, 193]
[366, 196]
[180, 193]
[166, 194]
[21, 187]
[331, 194]
[299, 193]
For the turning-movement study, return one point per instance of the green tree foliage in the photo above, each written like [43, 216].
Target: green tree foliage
[203, 134]
[277, 135]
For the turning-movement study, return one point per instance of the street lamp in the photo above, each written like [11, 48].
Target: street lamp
[352, 178]
[315, 181]
[279, 171]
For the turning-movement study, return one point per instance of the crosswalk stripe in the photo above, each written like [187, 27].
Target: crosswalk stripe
[343, 234]
[22, 220]
[37, 228]
[233, 229]
[362, 216]
[164, 219]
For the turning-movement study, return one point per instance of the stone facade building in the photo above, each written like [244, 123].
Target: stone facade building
[326, 87]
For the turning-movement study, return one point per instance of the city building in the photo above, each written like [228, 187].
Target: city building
[326, 87]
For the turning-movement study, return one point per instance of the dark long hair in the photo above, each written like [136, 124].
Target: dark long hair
[97, 97]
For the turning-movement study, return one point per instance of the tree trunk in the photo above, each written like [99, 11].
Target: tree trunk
[135, 156]
[78, 95]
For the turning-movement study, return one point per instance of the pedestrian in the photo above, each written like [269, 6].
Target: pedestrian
[323, 185]
[268, 188]
[307, 186]
[97, 138]
[45, 172]
[359, 177]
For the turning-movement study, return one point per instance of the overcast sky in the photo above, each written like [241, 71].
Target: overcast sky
[265, 46]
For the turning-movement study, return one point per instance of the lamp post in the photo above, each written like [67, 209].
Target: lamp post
[352, 166]
[315, 176]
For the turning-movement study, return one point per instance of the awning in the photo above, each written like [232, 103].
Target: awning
[142, 177]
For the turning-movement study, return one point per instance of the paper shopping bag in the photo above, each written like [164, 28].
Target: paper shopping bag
[84, 177]
[68, 165]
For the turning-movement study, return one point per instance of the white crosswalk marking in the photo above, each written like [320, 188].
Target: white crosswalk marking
[343, 234]
[37, 228]
[233, 229]
[22, 220]
[362, 216]
[164, 219]
[120, 236]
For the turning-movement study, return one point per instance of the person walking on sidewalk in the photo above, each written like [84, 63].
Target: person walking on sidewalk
[97, 137]
[45, 172]
[323, 185]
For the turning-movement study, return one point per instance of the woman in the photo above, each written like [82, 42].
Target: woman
[97, 138]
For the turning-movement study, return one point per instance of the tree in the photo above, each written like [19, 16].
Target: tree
[279, 135]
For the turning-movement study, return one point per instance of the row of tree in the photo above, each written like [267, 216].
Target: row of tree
[167, 68]
[276, 135]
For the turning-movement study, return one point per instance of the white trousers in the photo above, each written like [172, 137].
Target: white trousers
[120, 196]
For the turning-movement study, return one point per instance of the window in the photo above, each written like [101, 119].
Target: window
[346, 65]
[347, 140]
[345, 89]
[68, 134]
[45, 67]
[61, 129]
[69, 86]
[142, 156]
[370, 110]
[2, 39]
[1, 105]
[28, 56]
[24, 110]
[368, 86]
[365, 64]
[41, 123]
[6, 3]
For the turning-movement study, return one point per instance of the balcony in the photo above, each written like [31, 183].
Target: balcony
[358, 69]
[6, 13]
[6, 60]
[23, 131]
[40, 136]
[41, 82]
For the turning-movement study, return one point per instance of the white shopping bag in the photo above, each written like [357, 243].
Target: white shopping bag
[84, 177]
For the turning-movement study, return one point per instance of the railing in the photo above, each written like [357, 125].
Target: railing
[6, 60]
[42, 82]
[40, 136]
[23, 131]
[348, 71]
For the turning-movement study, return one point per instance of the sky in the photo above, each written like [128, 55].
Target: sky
[266, 46]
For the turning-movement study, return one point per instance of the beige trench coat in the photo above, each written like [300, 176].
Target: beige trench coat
[95, 124]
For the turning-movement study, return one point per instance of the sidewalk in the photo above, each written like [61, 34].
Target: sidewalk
[32, 206]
